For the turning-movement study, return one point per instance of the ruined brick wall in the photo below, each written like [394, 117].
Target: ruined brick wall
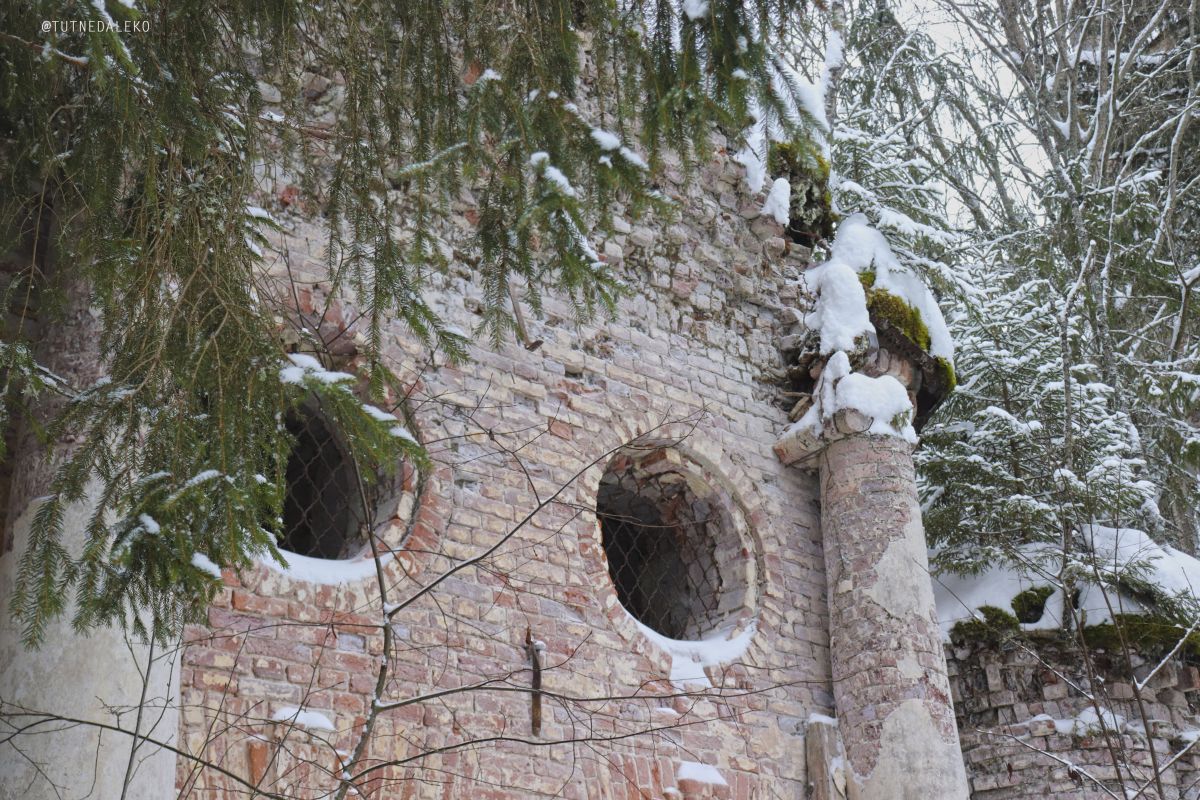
[696, 343]
[1009, 701]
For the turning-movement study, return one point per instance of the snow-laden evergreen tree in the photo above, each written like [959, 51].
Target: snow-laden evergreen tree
[1079, 355]
[887, 92]
[131, 157]
[995, 468]
[906, 138]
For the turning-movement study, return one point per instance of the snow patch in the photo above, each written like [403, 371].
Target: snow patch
[689, 658]
[959, 597]
[377, 413]
[329, 572]
[203, 562]
[552, 173]
[861, 247]
[605, 140]
[883, 399]
[753, 155]
[305, 366]
[700, 773]
[779, 202]
[314, 720]
[1116, 549]
[633, 158]
[401, 432]
[201, 477]
[695, 9]
[1088, 722]
[841, 313]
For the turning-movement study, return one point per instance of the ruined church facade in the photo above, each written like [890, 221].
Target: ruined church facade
[626, 573]
[610, 511]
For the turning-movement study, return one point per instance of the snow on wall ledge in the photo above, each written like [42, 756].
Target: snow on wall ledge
[690, 658]
[1115, 551]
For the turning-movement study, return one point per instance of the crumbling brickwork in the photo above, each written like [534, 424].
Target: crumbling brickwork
[1018, 712]
[890, 684]
[694, 346]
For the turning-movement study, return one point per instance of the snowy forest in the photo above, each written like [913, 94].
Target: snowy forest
[1035, 165]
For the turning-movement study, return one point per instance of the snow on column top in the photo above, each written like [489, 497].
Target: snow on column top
[860, 247]
[841, 318]
[883, 399]
[841, 314]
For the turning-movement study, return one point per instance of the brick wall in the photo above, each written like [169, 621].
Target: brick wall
[1008, 701]
[696, 344]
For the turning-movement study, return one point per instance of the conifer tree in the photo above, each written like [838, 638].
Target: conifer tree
[1078, 348]
[144, 149]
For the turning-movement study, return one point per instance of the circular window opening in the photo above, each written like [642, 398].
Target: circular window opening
[674, 545]
[323, 512]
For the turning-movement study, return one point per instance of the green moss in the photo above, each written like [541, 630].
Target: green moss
[1030, 603]
[799, 157]
[811, 204]
[996, 626]
[1147, 636]
[946, 373]
[884, 305]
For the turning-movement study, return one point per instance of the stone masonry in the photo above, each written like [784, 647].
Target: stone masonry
[1019, 712]
[513, 669]
[277, 687]
[895, 714]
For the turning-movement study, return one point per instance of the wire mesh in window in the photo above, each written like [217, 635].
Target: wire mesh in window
[671, 554]
[323, 511]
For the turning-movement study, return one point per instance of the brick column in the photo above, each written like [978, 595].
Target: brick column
[889, 671]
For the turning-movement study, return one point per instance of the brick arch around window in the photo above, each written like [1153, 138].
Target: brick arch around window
[742, 512]
[405, 512]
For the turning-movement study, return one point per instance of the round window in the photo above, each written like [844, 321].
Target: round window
[323, 511]
[674, 545]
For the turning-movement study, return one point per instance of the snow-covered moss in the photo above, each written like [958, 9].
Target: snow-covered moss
[811, 216]
[865, 249]
[859, 287]
[883, 305]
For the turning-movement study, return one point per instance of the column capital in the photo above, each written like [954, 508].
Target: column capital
[820, 419]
